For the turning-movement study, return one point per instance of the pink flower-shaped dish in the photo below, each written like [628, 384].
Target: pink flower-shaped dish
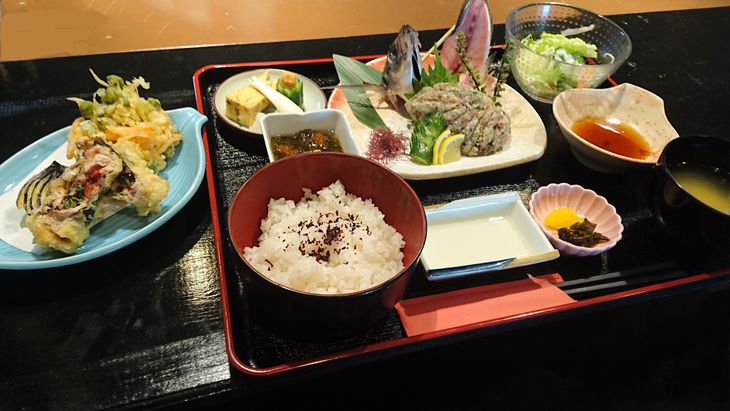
[586, 203]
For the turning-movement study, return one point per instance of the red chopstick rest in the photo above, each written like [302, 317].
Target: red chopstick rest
[478, 304]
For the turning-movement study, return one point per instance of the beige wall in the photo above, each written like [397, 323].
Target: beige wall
[45, 28]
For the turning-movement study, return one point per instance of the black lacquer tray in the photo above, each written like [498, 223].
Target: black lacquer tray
[644, 265]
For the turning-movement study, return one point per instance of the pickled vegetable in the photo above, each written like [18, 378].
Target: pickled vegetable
[561, 218]
[582, 234]
[292, 87]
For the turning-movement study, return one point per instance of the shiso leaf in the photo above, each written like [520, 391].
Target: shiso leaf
[437, 74]
[353, 73]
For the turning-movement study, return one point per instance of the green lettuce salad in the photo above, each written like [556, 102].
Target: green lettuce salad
[569, 50]
[548, 77]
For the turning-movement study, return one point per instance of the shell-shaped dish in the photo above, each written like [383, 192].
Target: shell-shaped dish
[632, 105]
[586, 203]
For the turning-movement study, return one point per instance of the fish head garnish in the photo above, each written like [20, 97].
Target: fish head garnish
[403, 64]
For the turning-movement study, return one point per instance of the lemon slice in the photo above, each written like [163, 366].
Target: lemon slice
[562, 218]
[450, 149]
[437, 145]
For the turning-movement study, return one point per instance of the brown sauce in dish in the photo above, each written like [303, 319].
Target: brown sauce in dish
[304, 141]
[613, 135]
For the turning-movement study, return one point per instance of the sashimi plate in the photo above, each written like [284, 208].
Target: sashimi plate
[185, 172]
[529, 138]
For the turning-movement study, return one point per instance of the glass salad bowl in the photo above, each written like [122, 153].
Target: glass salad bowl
[542, 77]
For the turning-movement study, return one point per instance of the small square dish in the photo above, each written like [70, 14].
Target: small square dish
[287, 134]
[481, 234]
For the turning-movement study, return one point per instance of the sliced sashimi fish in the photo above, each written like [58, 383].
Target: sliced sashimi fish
[475, 21]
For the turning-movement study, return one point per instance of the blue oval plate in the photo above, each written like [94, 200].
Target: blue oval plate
[185, 172]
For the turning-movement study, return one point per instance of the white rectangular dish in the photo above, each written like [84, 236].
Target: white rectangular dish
[481, 234]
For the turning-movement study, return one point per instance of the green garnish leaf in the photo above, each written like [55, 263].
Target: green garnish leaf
[355, 73]
[437, 74]
[351, 72]
[362, 107]
[423, 138]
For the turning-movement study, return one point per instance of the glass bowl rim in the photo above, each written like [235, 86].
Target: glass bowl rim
[509, 35]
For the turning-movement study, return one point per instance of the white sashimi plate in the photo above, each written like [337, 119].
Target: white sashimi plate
[185, 172]
[529, 138]
[480, 234]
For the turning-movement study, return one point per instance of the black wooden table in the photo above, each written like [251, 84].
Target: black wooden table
[142, 327]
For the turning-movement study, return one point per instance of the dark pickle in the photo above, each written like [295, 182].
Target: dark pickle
[304, 141]
[582, 234]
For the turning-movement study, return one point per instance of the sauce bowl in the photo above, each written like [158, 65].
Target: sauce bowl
[631, 105]
[685, 217]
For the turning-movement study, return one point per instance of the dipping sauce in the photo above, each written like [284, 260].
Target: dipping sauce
[709, 185]
[304, 141]
[612, 135]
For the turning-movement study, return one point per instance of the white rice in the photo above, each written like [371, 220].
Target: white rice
[331, 242]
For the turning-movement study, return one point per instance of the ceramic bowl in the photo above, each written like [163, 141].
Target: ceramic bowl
[314, 98]
[291, 123]
[304, 313]
[681, 210]
[632, 105]
[543, 78]
[586, 203]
